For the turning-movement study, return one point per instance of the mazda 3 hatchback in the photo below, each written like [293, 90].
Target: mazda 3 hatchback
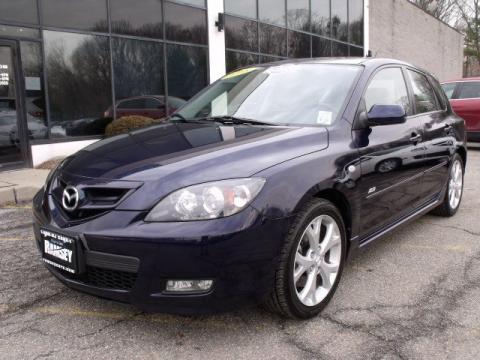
[257, 190]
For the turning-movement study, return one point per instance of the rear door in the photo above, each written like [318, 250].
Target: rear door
[391, 158]
[431, 110]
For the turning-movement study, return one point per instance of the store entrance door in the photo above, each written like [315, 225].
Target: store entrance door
[13, 142]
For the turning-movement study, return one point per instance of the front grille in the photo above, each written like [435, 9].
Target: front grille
[95, 200]
[110, 279]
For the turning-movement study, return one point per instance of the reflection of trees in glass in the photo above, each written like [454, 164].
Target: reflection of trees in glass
[241, 34]
[321, 17]
[196, 34]
[272, 40]
[138, 67]
[153, 30]
[78, 68]
[298, 19]
[299, 45]
[187, 70]
[31, 58]
[339, 29]
[356, 32]
[236, 60]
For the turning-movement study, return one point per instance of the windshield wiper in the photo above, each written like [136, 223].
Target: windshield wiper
[237, 120]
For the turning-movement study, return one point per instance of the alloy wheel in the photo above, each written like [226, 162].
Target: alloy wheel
[455, 186]
[317, 260]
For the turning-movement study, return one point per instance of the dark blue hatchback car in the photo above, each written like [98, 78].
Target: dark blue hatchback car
[257, 190]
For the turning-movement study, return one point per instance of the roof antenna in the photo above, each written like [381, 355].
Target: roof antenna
[369, 53]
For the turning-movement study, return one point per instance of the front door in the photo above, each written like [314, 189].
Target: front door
[391, 156]
[13, 146]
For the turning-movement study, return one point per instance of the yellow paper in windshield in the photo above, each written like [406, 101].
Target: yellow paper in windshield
[239, 72]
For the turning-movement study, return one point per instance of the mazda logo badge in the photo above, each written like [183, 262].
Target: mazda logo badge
[70, 198]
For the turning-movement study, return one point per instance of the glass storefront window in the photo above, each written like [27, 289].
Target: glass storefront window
[355, 29]
[138, 72]
[339, 49]
[31, 54]
[273, 40]
[79, 83]
[128, 17]
[82, 15]
[356, 51]
[298, 45]
[24, 11]
[246, 8]
[200, 3]
[241, 34]
[237, 60]
[298, 14]
[185, 23]
[340, 20]
[17, 31]
[321, 47]
[272, 12]
[321, 17]
[187, 70]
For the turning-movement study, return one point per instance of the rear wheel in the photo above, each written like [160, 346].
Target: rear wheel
[311, 263]
[453, 195]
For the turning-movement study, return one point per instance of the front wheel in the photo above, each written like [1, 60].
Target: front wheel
[311, 262]
[453, 195]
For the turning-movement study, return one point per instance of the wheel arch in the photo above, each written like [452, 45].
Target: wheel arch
[337, 198]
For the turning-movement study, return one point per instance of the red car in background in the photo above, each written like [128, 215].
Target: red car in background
[464, 97]
[152, 106]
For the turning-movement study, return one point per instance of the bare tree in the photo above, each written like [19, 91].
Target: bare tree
[444, 10]
[469, 11]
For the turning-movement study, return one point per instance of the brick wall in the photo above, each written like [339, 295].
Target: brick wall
[400, 30]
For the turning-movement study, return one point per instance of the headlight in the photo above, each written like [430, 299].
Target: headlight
[207, 201]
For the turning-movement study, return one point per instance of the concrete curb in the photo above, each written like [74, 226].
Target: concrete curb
[17, 195]
[20, 186]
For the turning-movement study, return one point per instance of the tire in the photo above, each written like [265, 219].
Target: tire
[290, 296]
[448, 207]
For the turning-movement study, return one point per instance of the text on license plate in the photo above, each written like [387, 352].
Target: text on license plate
[57, 251]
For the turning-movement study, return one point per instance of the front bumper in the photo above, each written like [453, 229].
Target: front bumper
[130, 261]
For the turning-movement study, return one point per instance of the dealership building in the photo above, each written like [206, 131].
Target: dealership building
[68, 68]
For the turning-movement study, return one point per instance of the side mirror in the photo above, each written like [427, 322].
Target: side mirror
[386, 115]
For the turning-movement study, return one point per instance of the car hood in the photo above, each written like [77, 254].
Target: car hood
[174, 155]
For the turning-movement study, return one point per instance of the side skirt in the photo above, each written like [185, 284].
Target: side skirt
[414, 215]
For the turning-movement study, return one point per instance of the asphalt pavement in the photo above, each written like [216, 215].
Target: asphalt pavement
[413, 295]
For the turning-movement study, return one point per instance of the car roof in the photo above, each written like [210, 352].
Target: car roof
[462, 80]
[366, 61]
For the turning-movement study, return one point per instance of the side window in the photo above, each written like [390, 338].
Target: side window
[449, 89]
[425, 100]
[132, 104]
[388, 88]
[469, 90]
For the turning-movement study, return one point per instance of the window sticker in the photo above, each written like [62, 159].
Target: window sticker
[324, 118]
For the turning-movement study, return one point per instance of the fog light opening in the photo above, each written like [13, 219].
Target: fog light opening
[188, 286]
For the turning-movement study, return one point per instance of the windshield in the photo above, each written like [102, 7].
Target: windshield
[306, 94]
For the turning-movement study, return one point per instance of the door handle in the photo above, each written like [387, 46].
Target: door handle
[447, 127]
[415, 138]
